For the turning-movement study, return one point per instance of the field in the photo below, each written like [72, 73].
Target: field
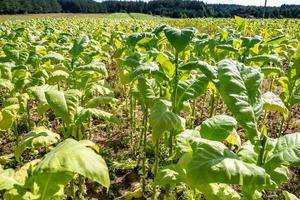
[132, 106]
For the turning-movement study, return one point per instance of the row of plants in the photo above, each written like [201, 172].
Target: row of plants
[206, 115]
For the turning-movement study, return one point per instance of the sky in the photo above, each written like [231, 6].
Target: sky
[253, 2]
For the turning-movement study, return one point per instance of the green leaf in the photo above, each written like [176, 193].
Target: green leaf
[95, 66]
[39, 137]
[239, 87]
[213, 162]
[74, 157]
[279, 175]
[218, 127]
[79, 45]
[190, 89]
[209, 71]
[247, 153]
[39, 93]
[241, 22]
[273, 102]
[86, 113]
[148, 91]
[265, 58]
[8, 115]
[183, 138]
[179, 38]
[54, 56]
[6, 179]
[227, 47]
[277, 40]
[170, 175]
[6, 84]
[286, 152]
[162, 120]
[165, 63]
[101, 100]
[145, 68]
[289, 196]
[58, 75]
[218, 191]
[64, 104]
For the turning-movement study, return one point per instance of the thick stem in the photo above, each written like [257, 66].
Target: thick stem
[131, 121]
[202, 106]
[262, 151]
[281, 126]
[212, 104]
[156, 163]
[28, 116]
[174, 96]
[16, 132]
[81, 187]
[145, 125]
[193, 114]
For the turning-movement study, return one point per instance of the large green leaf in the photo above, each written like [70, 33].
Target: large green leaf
[217, 127]
[239, 87]
[272, 102]
[209, 71]
[165, 63]
[39, 93]
[213, 162]
[148, 91]
[8, 115]
[75, 157]
[289, 196]
[6, 179]
[95, 66]
[179, 38]
[265, 58]
[286, 152]
[39, 137]
[101, 100]
[64, 104]
[79, 45]
[86, 113]
[170, 175]
[190, 89]
[162, 120]
[145, 68]
[218, 191]
[247, 153]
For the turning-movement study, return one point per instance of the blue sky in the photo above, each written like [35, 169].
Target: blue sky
[253, 2]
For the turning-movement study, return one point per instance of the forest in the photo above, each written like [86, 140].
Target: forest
[166, 8]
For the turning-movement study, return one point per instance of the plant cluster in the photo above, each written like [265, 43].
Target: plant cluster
[198, 109]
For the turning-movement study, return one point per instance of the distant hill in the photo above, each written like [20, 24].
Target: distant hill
[168, 8]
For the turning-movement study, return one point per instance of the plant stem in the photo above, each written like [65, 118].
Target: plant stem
[15, 127]
[174, 96]
[193, 114]
[28, 116]
[281, 126]
[156, 163]
[73, 189]
[212, 103]
[131, 121]
[81, 187]
[261, 153]
[203, 104]
[145, 128]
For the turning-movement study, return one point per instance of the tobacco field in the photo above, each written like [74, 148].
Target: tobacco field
[104, 108]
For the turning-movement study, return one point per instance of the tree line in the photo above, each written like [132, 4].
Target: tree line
[168, 8]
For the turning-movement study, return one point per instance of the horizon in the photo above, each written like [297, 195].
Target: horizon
[248, 3]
